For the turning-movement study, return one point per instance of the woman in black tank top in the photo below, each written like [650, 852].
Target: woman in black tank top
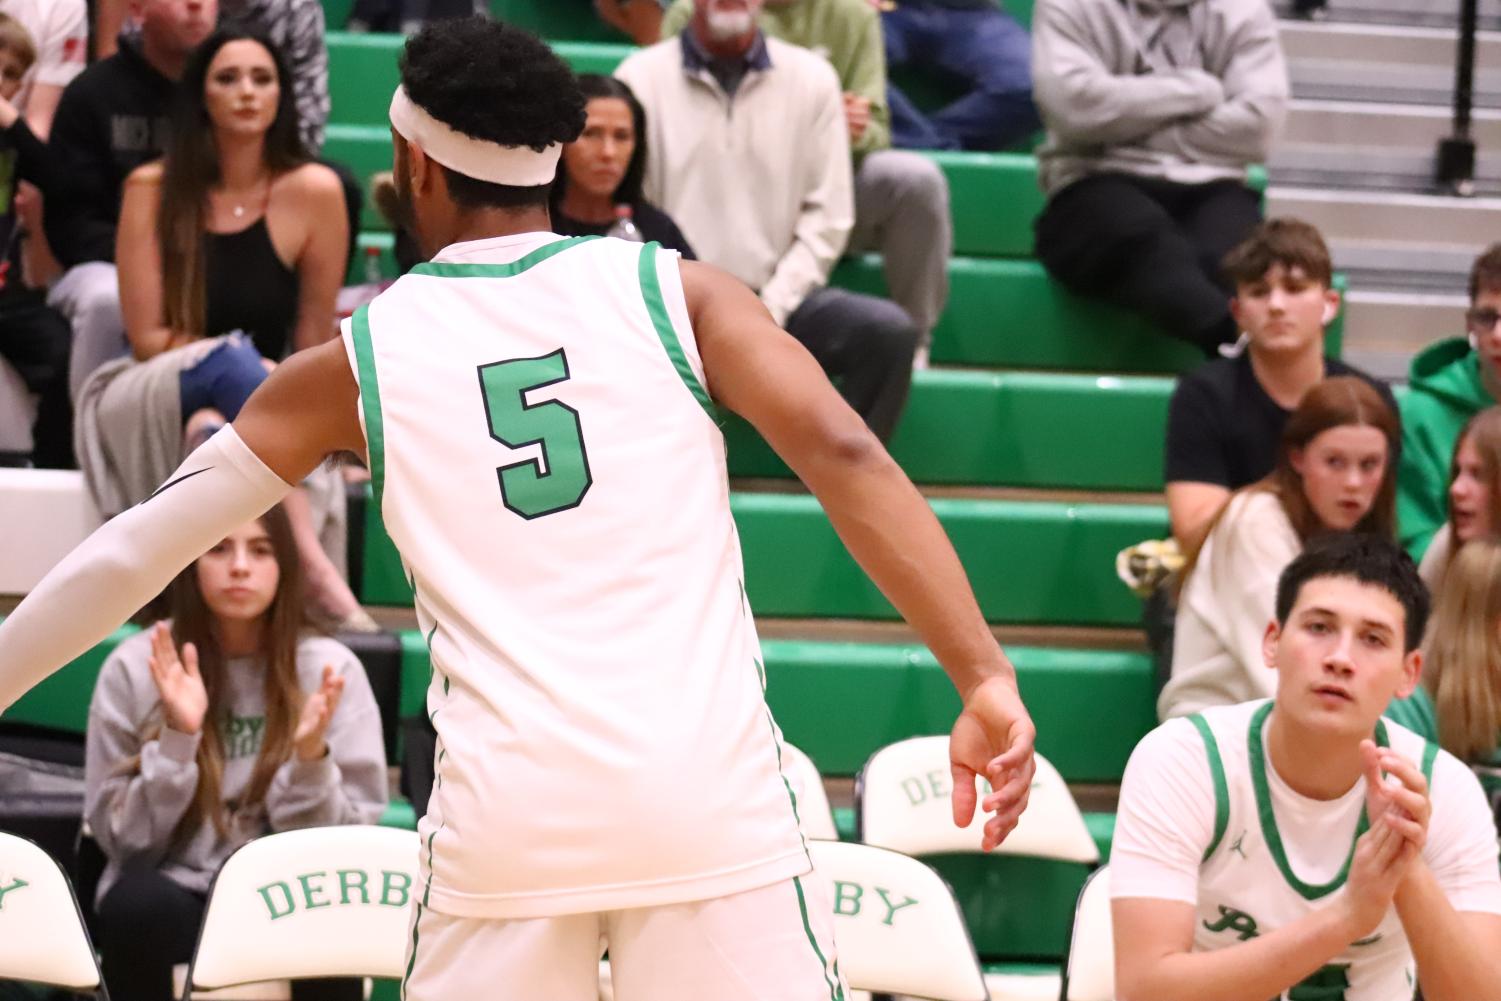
[231, 251]
[250, 235]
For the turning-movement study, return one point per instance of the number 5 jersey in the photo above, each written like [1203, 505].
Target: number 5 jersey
[549, 464]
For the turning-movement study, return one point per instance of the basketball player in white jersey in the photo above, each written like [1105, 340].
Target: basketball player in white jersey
[539, 417]
[1302, 848]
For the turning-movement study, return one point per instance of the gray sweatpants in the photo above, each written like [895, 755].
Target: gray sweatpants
[88, 295]
[902, 213]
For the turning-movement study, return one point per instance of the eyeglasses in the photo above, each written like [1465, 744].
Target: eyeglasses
[1482, 321]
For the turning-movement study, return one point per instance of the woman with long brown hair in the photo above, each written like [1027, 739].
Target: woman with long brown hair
[230, 252]
[1463, 669]
[229, 721]
[1474, 495]
[1335, 473]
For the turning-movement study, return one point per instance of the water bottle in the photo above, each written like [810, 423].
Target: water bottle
[624, 228]
[373, 274]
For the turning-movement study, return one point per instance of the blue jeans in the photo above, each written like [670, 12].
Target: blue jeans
[224, 379]
[987, 52]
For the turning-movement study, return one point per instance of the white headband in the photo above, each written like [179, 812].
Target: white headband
[519, 166]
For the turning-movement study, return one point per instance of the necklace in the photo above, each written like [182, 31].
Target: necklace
[238, 208]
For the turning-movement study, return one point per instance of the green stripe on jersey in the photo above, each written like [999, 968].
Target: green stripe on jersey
[836, 993]
[656, 307]
[438, 269]
[1256, 750]
[375, 429]
[1221, 787]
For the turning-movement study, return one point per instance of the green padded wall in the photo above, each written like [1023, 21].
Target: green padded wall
[1029, 562]
[840, 702]
[965, 426]
[62, 700]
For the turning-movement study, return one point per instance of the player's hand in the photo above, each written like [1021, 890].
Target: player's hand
[1405, 803]
[856, 115]
[1383, 856]
[317, 712]
[184, 697]
[994, 737]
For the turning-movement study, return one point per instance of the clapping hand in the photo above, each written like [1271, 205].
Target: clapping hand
[308, 740]
[1406, 802]
[184, 698]
[1384, 855]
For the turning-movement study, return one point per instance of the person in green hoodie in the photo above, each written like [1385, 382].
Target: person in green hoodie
[1449, 382]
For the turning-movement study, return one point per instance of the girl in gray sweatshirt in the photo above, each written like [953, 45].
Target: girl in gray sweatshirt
[231, 721]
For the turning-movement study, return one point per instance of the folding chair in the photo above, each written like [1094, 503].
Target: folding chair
[902, 801]
[897, 927]
[320, 902]
[1089, 968]
[812, 802]
[42, 936]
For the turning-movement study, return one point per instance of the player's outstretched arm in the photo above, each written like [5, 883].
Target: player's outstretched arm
[282, 433]
[763, 374]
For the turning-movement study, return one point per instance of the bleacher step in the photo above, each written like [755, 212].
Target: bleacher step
[1418, 13]
[1029, 563]
[1361, 124]
[1085, 432]
[1393, 219]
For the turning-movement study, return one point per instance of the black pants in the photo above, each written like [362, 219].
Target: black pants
[37, 340]
[1152, 246]
[147, 924]
[865, 344]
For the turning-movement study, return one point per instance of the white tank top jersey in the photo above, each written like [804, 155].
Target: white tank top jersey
[547, 462]
[1247, 884]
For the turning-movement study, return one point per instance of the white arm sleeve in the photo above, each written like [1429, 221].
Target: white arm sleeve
[129, 560]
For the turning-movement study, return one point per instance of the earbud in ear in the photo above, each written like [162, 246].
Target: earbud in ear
[1474, 342]
[1329, 313]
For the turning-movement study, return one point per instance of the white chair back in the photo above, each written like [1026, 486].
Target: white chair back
[44, 514]
[903, 800]
[897, 927]
[812, 801]
[42, 936]
[321, 902]
[1090, 973]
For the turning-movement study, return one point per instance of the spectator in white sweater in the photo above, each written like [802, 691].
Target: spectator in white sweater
[1474, 495]
[1334, 473]
[748, 149]
[231, 722]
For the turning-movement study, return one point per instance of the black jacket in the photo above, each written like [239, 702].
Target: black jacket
[112, 118]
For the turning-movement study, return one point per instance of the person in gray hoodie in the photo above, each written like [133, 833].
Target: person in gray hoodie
[231, 722]
[1154, 111]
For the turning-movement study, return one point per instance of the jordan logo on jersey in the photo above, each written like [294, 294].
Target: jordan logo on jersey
[1235, 846]
[1236, 921]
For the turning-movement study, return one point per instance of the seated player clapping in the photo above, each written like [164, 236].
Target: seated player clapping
[1301, 847]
